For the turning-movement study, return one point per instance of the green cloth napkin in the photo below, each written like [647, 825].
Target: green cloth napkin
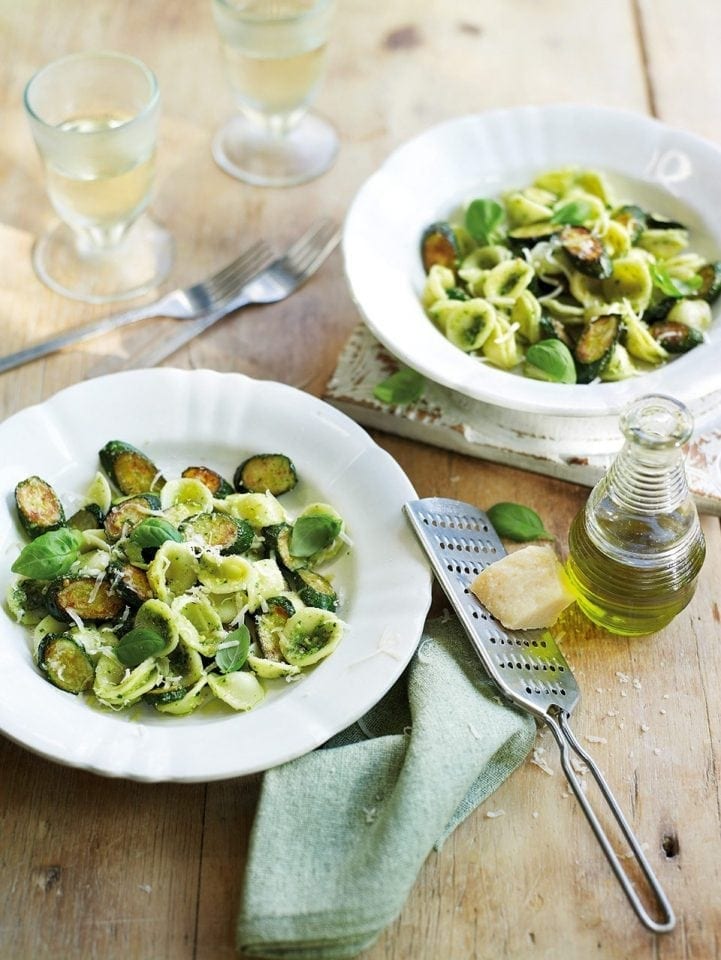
[341, 833]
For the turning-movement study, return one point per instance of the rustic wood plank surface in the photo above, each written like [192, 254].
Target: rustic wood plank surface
[97, 868]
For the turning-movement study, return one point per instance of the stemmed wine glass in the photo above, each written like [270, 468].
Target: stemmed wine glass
[275, 53]
[94, 119]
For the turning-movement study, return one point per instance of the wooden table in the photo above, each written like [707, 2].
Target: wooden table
[96, 868]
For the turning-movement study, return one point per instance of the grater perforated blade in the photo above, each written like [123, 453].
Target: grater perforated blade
[527, 667]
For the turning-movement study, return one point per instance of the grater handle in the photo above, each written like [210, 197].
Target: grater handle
[566, 739]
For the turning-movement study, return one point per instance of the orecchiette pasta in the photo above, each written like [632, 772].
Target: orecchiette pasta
[549, 260]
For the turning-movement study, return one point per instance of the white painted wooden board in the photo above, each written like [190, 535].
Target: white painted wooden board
[578, 449]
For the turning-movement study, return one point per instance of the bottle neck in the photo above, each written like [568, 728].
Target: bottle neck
[646, 482]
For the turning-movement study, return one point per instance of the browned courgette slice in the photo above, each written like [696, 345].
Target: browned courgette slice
[86, 597]
[89, 517]
[277, 538]
[585, 251]
[131, 583]
[129, 468]
[594, 346]
[217, 529]
[266, 473]
[633, 218]
[710, 287]
[268, 625]
[552, 329]
[314, 590]
[675, 337]
[439, 246]
[39, 507]
[123, 516]
[218, 486]
[65, 664]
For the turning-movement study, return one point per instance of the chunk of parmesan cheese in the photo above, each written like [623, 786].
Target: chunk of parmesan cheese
[525, 590]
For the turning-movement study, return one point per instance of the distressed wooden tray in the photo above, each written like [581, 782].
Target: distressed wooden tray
[578, 449]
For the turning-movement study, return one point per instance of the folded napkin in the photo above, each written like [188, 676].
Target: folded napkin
[341, 833]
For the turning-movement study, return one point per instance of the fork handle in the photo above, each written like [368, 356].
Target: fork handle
[185, 334]
[77, 334]
[566, 739]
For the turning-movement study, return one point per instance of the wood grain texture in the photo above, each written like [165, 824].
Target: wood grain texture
[96, 868]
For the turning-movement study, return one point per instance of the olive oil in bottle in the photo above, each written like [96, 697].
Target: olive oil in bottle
[636, 548]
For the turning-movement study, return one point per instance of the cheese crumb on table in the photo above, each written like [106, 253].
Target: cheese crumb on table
[525, 590]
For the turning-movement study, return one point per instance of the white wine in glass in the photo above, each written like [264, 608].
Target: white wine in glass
[109, 193]
[275, 53]
[94, 120]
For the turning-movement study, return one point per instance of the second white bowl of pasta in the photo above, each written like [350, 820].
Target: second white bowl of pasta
[560, 260]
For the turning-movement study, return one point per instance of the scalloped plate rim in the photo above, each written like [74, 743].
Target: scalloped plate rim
[39, 717]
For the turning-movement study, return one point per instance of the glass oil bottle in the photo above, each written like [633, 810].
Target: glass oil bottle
[636, 548]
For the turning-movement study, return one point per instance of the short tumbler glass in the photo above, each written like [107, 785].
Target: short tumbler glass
[94, 119]
[275, 53]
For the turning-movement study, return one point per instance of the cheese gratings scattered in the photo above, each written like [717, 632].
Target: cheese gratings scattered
[525, 590]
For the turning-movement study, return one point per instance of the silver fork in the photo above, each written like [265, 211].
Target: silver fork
[181, 304]
[276, 282]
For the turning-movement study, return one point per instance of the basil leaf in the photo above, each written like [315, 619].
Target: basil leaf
[403, 386]
[483, 221]
[50, 555]
[573, 213]
[311, 534]
[516, 522]
[550, 360]
[137, 645]
[672, 286]
[154, 531]
[231, 658]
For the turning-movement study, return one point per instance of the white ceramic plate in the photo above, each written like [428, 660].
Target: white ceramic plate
[662, 169]
[181, 418]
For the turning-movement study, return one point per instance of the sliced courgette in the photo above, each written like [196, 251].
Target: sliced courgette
[123, 516]
[131, 583]
[277, 537]
[86, 597]
[633, 218]
[129, 468]
[269, 625]
[585, 252]
[266, 473]
[439, 246]
[220, 530]
[38, 506]
[218, 486]
[659, 311]
[597, 338]
[89, 517]
[65, 664]
[595, 346]
[552, 329]
[675, 337]
[656, 221]
[314, 590]
[710, 287]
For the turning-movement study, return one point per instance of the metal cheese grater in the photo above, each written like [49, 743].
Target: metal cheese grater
[527, 666]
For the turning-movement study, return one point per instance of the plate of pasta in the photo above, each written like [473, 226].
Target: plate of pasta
[204, 575]
[561, 260]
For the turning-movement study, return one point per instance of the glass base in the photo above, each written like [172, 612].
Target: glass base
[138, 263]
[249, 152]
